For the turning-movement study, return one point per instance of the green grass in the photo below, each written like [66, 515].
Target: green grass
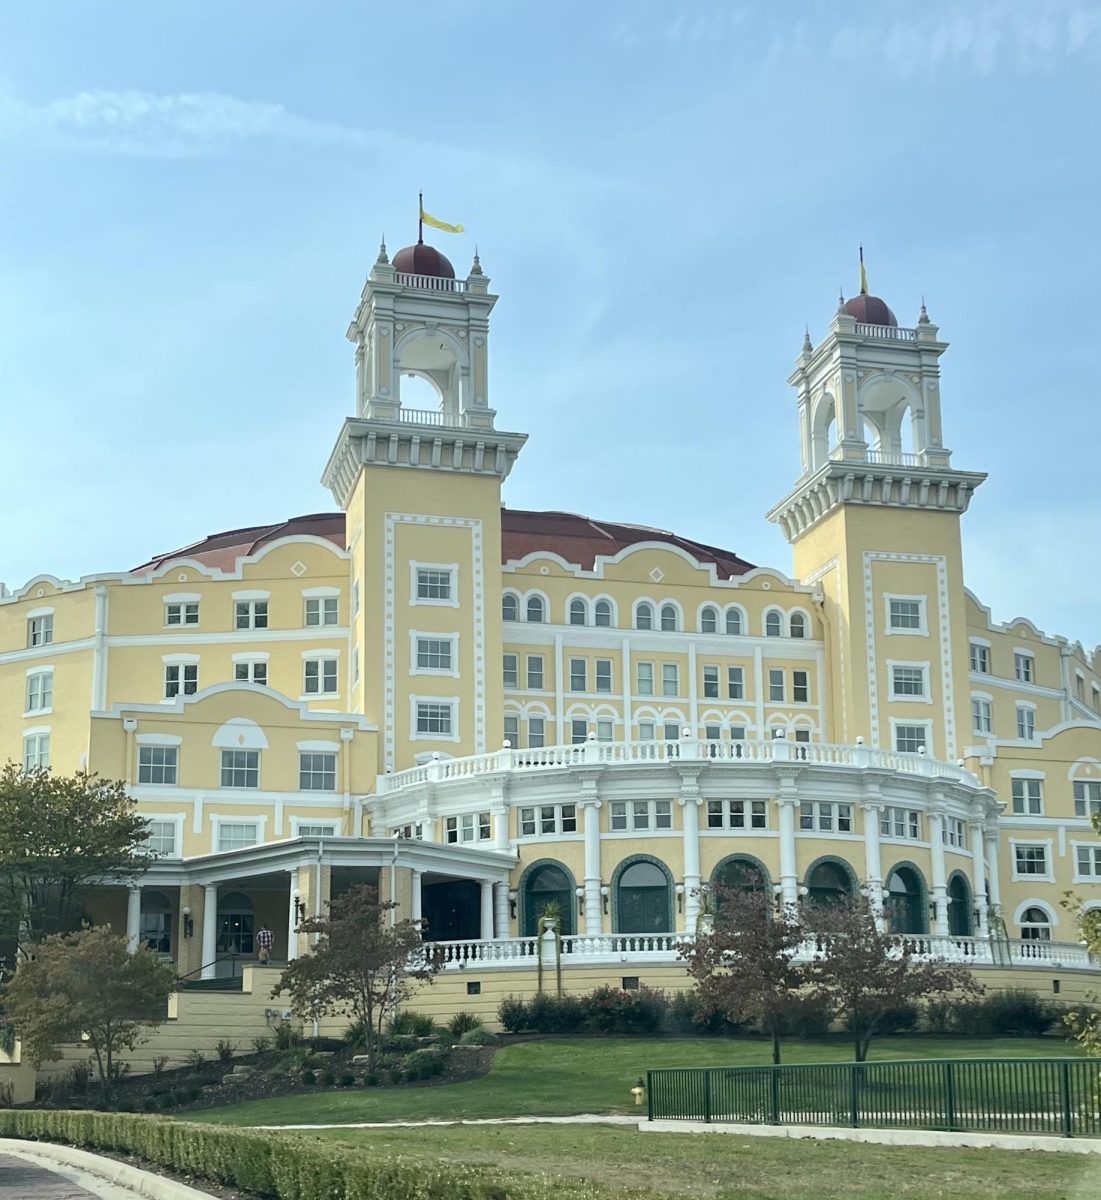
[565, 1076]
[723, 1167]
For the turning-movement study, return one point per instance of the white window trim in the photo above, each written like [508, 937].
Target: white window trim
[1049, 859]
[44, 669]
[415, 736]
[251, 594]
[176, 818]
[320, 656]
[1042, 905]
[183, 598]
[36, 731]
[158, 739]
[173, 660]
[453, 638]
[251, 656]
[35, 613]
[923, 615]
[990, 701]
[298, 822]
[926, 693]
[414, 599]
[314, 593]
[217, 820]
[318, 747]
[927, 724]
[1077, 878]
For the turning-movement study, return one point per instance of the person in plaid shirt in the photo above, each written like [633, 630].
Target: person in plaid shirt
[264, 940]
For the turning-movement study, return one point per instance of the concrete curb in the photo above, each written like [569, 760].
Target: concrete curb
[141, 1183]
[583, 1119]
[885, 1137]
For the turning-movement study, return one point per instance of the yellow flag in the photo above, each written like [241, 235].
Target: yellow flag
[428, 220]
[863, 274]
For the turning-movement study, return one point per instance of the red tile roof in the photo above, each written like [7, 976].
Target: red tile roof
[575, 538]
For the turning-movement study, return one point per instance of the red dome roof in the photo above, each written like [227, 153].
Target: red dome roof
[870, 310]
[422, 259]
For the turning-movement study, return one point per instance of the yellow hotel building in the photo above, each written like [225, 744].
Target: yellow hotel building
[484, 711]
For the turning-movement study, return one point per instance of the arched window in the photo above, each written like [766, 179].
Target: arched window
[155, 928]
[643, 899]
[644, 615]
[734, 622]
[510, 607]
[905, 905]
[536, 610]
[668, 618]
[1035, 925]
[602, 614]
[579, 612]
[960, 917]
[774, 625]
[797, 626]
[739, 873]
[709, 620]
[236, 924]
[829, 883]
[548, 888]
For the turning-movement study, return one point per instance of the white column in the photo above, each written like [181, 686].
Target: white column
[690, 808]
[789, 878]
[873, 866]
[133, 918]
[591, 811]
[978, 874]
[500, 828]
[292, 917]
[502, 925]
[992, 868]
[940, 875]
[487, 910]
[416, 909]
[210, 929]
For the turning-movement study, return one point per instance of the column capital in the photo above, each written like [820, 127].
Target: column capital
[584, 802]
[873, 806]
[787, 801]
[695, 799]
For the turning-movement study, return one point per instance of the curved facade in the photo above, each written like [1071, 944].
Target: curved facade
[493, 715]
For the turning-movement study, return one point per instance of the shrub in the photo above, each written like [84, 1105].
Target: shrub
[150, 1103]
[347, 1079]
[261, 1044]
[479, 1037]
[414, 1023]
[613, 1010]
[1004, 1014]
[286, 1036]
[512, 1012]
[555, 1014]
[371, 1080]
[396, 1074]
[81, 1072]
[159, 1064]
[423, 1064]
[901, 1019]
[308, 1077]
[686, 1014]
[225, 1050]
[463, 1022]
[327, 1078]
[356, 1034]
[805, 1018]
[195, 1058]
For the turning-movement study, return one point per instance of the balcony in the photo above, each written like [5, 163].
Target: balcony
[429, 283]
[886, 333]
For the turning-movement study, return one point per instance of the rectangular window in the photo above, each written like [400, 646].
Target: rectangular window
[980, 658]
[825, 816]
[579, 675]
[180, 679]
[40, 630]
[250, 614]
[434, 583]
[603, 674]
[535, 672]
[512, 731]
[800, 687]
[1023, 667]
[670, 679]
[469, 827]
[434, 654]
[1028, 797]
[952, 833]
[579, 731]
[158, 764]
[670, 731]
[548, 819]
[735, 683]
[905, 615]
[355, 598]
[317, 771]
[320, 676]
[322, 610]
[641, 814]
[252, 671]
[237, 835]
[240, 769]
[1030, 860]
[776, 685]
[907, 681]
[435, 718]
[40, 691]
[645, 673]
[36, 751]
[737, 814]
[604, 730]
[537, 735]
[1087, 798]
[982, 715]
[181, 614]
[910, 739]
[511, 671]
[711, 683]
[316, 829]
[646, 731]
[900, 823]
[162, 838]
[1088, 861]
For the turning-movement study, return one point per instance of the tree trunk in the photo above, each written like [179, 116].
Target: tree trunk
[775, 1047]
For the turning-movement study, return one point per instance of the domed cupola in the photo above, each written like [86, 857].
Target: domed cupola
[869, 310]
[423, 259]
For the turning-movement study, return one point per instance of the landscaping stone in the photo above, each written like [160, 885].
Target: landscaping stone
[241, 1069]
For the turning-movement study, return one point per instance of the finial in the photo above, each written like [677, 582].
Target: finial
[840, 299]
[476, 269]
[383, 257]
[924, 318]
[807, 347]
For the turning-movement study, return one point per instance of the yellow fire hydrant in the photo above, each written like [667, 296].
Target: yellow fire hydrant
[639, 1092]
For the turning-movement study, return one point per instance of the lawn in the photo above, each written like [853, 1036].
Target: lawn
[566, 1076]
[723, 1167]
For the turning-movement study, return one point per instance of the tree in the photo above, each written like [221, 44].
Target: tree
[87, 984]
[362, 966]
[1085, 1023]
[745, 966]
[57, 834]
[864, 974]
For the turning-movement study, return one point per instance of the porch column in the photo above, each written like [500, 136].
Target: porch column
[292, 918]
[991, 840]
[500, 828]
[210, 929]
[940, 875]
[978, 873]
[133, 919]
[690, 808]
[501, 924]
[590, 809]
[487, 910]
[873, 865]
[789, 878]
[416, 901]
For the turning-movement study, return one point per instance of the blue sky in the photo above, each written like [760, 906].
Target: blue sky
[191, 196]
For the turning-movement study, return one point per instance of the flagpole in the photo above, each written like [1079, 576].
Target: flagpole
[420, 219]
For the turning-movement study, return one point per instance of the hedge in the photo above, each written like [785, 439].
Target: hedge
[289, 1166]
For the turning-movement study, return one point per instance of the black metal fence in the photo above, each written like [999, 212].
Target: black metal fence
[999, 1095]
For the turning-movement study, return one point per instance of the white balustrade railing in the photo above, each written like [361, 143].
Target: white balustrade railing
[894, 458]
[887, 333]
[429, 283]
[818, 754]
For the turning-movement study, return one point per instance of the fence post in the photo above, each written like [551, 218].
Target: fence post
[854, 1105]
[649, 1095]
[1068, 1115]
[775, 1089]
[950, 1095]
[707, 1096]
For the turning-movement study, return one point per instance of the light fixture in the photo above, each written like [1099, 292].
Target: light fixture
[679, 889]
[299, 909]
[512, 903]
[580, 894]
[188, 923]
[605, 892]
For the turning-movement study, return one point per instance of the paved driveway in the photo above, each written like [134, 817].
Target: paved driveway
[21, 1180]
